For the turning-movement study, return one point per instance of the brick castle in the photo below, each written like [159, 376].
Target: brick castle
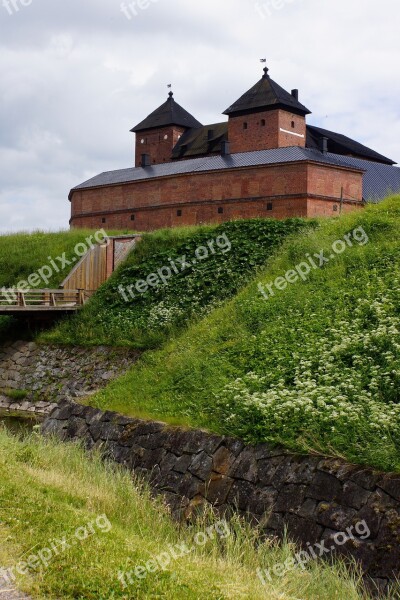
[264, 161]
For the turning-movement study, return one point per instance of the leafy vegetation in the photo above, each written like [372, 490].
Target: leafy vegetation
[316, 365]
[52, 491]
[211, 264]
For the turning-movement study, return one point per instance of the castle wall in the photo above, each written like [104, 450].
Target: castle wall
[277, 191]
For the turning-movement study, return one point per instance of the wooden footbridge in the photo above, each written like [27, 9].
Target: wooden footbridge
[92, 270]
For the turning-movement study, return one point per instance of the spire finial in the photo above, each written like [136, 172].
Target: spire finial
[265, 69]
[171, 93]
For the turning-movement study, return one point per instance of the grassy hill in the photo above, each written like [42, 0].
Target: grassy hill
[197, 268]
[315, 365]
[108, 526]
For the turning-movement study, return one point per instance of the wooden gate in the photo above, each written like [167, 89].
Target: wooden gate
[90, 272]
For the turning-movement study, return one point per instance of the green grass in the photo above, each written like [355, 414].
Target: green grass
[50, 490]
[230, 255]
[14, 394]
[316, 366]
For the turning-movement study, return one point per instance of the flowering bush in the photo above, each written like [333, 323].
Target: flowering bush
[344, 383]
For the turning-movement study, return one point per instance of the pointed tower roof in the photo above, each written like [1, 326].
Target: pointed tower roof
[169, 113]
[266, 95]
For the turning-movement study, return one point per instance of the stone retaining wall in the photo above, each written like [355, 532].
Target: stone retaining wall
[54, 373]
[39, 409]
[314, 497]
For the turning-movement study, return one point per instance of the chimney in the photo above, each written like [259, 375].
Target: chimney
[225, 148]
[295, 94]
[145, 162]
[323, 145]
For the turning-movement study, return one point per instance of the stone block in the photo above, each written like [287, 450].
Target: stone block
[201, 466]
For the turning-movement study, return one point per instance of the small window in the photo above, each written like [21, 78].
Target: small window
[262, 122]
[269, 206]
[293, 124]
[245, 125]
[132, 217]
[335, 208]
[178, 213]
[220, 210]
[142, 141]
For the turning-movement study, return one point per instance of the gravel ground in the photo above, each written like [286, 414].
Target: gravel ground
[8, 592]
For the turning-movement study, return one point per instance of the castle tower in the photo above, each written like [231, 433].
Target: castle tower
[266, 117]
[158, 134]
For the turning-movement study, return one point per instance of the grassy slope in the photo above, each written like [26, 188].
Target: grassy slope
[151, 318]
[323, 355]
[49, 490]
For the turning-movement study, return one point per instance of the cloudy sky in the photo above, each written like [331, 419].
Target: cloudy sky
[77, 75]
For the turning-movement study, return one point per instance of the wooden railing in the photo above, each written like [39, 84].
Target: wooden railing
[14, 299]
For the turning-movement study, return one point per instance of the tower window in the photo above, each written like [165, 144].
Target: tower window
[220, 210]
[262, 122]
[142, 141]
[132, 217]
[245, 126]
[269, 206]
[293, 124]
[178, 213]
[103, 220]
[165, 137]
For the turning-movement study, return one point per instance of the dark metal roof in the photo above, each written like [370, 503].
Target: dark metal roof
[169, 113]
[266, 94]
[379, 179]
[201, 141]
[341, 144]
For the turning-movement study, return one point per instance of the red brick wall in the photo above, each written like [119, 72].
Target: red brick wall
[155, 144]
[326, 181]
[264, 137]
[244, 193]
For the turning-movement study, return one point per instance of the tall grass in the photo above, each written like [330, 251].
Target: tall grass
[48, 490]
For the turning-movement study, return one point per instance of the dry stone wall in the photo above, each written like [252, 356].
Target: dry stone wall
[314, 497]
[54, 373]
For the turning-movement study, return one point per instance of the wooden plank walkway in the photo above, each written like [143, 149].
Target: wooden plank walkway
[15, 301]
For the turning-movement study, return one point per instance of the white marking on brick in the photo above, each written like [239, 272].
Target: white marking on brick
[292, 133]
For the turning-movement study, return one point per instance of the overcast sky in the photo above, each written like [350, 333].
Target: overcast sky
[77, 75]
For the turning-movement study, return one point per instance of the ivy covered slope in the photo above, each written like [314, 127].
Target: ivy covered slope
[192, 271]
[315, 365]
